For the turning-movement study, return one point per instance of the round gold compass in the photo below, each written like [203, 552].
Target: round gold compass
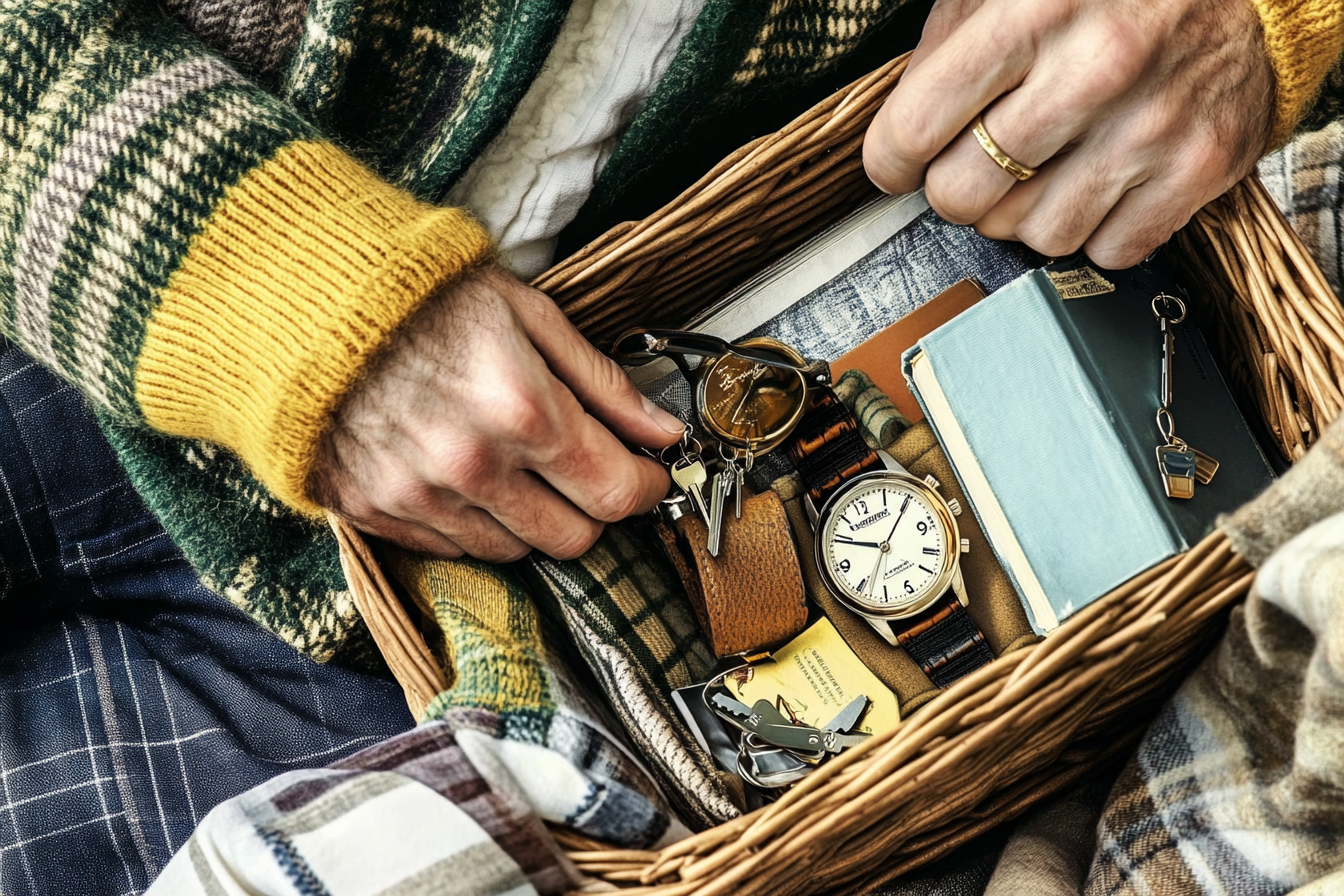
[749, 405]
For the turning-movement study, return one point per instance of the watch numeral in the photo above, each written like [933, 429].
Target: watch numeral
[929, 571]
[931, 551]
[909, 589]
[839, 536]
[844, 565]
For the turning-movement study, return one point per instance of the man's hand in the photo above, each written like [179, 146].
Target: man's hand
[1137, 113]
[487, 429]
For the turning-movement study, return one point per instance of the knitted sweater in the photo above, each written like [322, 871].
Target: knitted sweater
[214, 213]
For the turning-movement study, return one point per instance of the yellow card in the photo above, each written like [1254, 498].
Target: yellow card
[818, 675]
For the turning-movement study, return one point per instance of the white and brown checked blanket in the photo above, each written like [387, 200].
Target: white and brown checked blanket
[1238, 786]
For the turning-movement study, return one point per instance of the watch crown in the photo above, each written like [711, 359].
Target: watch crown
[931, 481]
[955, 506]
[965, 545]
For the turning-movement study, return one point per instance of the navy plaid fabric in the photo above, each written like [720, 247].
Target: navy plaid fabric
[132, 699]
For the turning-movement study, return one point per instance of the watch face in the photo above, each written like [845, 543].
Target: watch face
[884, 545]
[751, 405]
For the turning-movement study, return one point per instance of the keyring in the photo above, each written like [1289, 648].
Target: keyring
[1166, 303]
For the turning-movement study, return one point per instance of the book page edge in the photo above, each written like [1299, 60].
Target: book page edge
[992, 518]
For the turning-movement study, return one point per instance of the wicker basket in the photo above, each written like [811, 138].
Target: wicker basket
[1033, 721]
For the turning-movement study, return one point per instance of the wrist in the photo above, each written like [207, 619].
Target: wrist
[1303, 39]
[298, 279]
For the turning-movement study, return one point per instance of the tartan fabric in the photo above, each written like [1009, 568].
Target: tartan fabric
[636, 632]
[477, 805]
[1305, 180]
[515, 694]
[132, 698]
[1238, 787]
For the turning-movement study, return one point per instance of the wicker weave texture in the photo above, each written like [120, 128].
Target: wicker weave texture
[1033, 721]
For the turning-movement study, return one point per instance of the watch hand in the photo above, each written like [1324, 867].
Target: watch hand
[858, 544]
[753, 375]
[904, 505]
[872, 580]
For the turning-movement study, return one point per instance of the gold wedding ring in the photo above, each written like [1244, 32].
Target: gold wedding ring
[1001, 158]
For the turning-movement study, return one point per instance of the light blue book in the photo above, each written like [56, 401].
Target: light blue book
[1046, 408]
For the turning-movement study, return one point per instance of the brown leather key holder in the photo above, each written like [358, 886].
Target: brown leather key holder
[751, 596]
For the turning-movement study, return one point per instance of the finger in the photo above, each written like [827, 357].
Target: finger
[1144, 219]
[480, 535]
[598, 382]
[1056, 211]
[587, 465]
[539, 515]
[932, 104]
[470, 528]
[412, 536]
[1064, 100]
[1001, 221]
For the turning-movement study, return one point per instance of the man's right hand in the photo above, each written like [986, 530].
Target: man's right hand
[491, 427]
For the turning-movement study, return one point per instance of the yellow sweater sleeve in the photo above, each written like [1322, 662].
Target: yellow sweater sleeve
[1304, 39]
[299, 276]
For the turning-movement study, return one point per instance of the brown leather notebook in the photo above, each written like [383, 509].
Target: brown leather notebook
[880, 355]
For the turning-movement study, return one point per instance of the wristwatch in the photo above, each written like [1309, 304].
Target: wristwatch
[887, 543]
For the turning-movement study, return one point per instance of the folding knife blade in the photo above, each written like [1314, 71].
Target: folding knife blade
[849, 716]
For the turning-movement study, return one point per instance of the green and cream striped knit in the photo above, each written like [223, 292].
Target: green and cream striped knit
[214, 212]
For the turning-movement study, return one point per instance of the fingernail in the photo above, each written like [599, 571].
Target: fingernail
[666, 422]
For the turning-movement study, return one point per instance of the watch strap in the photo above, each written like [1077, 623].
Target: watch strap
[944, 641]
[827, 447]
[750, 597]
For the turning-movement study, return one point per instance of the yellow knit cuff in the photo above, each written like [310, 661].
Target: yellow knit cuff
[298, 278]
[1303, 38]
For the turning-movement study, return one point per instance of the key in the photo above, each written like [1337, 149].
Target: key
[719, 487]
[688, 472]
[739, 485]
[768, 767]
[1176, 463]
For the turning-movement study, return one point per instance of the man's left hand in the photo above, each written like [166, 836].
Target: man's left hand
[1136, 112]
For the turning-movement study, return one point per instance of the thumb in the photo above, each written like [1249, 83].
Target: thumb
[598, 382]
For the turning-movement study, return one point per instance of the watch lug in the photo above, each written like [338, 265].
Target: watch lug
[883, 628]
[891, 464]
[959, 586]
[811, 507]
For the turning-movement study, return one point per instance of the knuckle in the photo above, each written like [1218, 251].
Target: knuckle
[610, 380]
[464, 468]
[1125, 250]
[910, 136]
[576, 541]
[1049, 239]
[1119, 62]
[412, 497]
[618, 502]
[959, 199]
[521, 418]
